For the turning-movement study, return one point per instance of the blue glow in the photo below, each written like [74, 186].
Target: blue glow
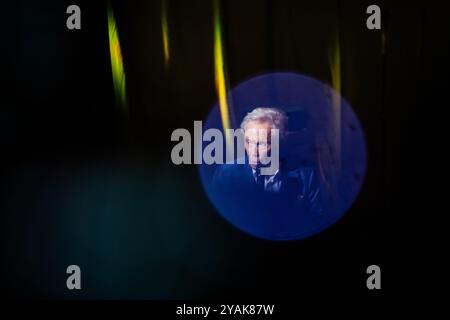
[317, 153]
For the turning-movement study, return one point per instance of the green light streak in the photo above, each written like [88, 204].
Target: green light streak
[118, 72]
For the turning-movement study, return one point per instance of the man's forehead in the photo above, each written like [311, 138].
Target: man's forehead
[257, 127]
[255, 132]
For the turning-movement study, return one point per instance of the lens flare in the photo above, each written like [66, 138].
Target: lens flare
[118, 73]
[165, 32]
[335, 68]
[220, 71]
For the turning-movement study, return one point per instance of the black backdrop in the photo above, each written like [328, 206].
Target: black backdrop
[83, 185]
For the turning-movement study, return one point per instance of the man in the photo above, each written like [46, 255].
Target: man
[271, 202]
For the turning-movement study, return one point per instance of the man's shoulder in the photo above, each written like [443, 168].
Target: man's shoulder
[300, 171]
[232, 172]
[305, 175]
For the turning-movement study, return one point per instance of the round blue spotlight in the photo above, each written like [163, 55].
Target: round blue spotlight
[322, 158]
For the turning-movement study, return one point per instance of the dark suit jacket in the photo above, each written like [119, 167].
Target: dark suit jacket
[296, 203]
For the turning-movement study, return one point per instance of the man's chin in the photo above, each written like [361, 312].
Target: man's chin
[253, 164]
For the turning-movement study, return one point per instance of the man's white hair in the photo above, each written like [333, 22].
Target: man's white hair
[276, 117]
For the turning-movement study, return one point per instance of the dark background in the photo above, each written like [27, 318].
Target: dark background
[82, 184]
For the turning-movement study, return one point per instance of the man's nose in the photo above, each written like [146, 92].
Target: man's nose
[254, 149]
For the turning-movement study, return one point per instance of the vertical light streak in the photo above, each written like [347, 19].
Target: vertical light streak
[118, 73]
[335, 68]
[219, 71]
[165, 32]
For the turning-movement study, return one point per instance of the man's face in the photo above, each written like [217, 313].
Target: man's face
[257, 141]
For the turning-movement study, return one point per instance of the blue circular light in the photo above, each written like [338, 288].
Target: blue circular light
[324, 151]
